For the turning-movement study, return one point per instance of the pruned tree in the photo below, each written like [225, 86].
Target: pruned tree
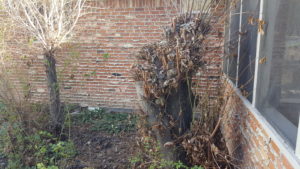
[51, 22]
[164, 71]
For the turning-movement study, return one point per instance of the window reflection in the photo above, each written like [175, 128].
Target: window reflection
[278, 93]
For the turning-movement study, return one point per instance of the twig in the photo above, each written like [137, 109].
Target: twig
[216, 129]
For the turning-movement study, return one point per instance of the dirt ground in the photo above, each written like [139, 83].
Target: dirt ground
[100, 150]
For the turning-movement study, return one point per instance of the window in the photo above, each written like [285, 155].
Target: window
[247, 49]
[241, 49]
[265, 63]
[232, 43]
[278, 84]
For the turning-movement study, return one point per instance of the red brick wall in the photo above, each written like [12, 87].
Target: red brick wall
[113, 28]
[248, 139]
[207, 81]
[118, 29]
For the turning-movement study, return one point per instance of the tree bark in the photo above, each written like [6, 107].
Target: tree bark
[152, 111]
[57, 116]
[179, 106]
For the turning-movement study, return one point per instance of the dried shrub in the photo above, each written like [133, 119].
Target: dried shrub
[204, 143]
[15, 95]
[163, 65]
[206, 149]
[162, 69]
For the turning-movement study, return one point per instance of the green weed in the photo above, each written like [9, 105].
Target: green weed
[30, 148]
[106, 55]
[88, 116]
[112, 123]
[36, 151]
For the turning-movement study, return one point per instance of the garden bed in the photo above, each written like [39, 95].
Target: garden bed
[102, 150]
[102, 140]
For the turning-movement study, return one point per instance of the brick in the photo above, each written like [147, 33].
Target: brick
[256, 153]
[271, 156]
[274, 147]
[258, 156]
[279, 163]
[118, 29]
[253, 125]
[286, 163]
[271, 166]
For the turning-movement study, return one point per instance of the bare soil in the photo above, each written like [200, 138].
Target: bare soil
[100, 150]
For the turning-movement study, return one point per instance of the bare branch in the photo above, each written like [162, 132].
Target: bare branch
[50, 21]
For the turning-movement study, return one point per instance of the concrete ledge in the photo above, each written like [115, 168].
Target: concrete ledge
[109, 110]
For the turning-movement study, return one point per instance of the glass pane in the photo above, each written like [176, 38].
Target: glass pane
[278, 90]
[248, 47]
[232, 43]
[227, 39]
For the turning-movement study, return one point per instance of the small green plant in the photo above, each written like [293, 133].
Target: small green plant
[106, 55]
[42, 166]
[161, 164]
[49, 151]
[136, 159]
[88, 116]
[38, 150]
[108, 122]
[115, 123]
[24, 143]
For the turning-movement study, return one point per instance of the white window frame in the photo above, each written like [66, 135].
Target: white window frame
[239, 45]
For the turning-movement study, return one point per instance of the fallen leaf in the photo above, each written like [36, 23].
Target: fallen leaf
[261, 24]
[262, 60]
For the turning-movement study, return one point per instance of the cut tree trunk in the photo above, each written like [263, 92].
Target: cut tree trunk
[179, 106]
[153, 111]
[57, 116]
